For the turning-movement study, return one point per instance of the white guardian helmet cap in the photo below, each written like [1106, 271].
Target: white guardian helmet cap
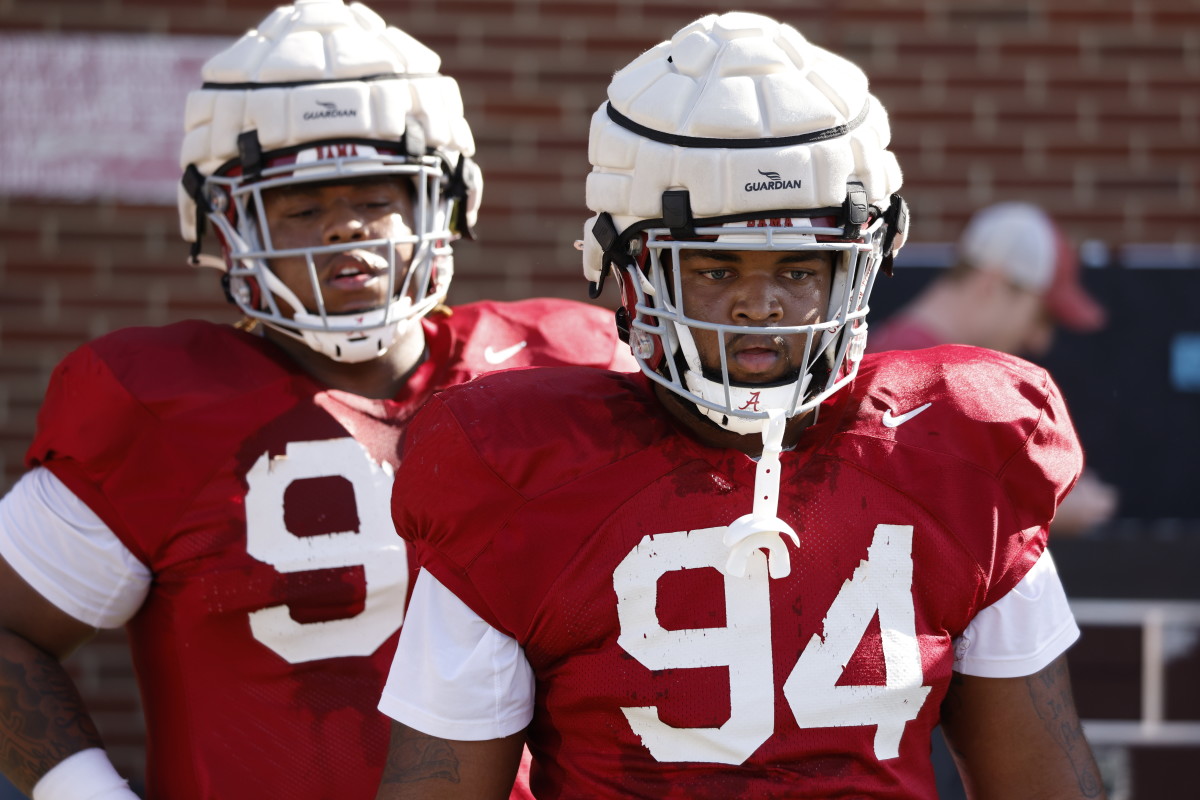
[325, 91]
[740, 134]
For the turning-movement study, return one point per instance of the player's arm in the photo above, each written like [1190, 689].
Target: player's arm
[1020, 737]
[426, 767]
[1008, 716]
[461, 694]
[63, 575]
[42, 717]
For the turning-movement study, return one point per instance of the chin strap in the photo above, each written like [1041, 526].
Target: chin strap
[762, 527]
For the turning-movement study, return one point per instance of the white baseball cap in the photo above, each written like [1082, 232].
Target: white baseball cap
[1022, 241]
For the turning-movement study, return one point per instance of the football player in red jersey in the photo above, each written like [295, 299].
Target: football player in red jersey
[766, 565]
[224, 492]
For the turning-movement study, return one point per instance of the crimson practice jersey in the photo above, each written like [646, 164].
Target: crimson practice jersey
[581, 522]
[259, 500]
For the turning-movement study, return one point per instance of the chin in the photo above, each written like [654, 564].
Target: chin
[750, 381]
[360, 307]
[770, 379]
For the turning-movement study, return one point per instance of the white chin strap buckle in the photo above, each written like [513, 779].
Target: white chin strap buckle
[762, 528]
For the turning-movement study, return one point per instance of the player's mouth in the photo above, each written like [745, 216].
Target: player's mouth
[757, 358]
[355, 270]
[355, 281]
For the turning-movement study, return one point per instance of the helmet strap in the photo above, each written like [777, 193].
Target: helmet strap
[762, 528]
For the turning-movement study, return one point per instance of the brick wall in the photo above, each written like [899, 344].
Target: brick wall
[1091, 107]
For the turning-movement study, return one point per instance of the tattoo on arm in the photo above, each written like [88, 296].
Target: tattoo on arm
[42, 717]
[1050, 692]
[418, 757]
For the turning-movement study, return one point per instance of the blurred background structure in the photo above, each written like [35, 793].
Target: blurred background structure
[1089, 108]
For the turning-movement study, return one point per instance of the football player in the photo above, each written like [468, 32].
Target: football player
[764, 566]
[223, 492]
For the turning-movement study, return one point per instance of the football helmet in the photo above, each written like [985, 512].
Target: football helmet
[324, 91]
[739, 134]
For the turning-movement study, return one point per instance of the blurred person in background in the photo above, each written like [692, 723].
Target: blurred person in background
[223, 490]
[1016, 279]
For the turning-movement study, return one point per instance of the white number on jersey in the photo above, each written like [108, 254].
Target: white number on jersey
[375, 547]
[881, 584]
[744, 645]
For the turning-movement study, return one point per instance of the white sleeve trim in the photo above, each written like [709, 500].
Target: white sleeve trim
[64, 551]
[455, 676]
[1021, 632]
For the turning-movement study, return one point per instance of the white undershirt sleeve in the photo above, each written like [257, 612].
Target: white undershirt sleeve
[64, 551]
[454, 676]
[1021, 632]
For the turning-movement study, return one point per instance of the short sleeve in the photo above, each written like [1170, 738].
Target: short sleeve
[64, 551]
[449, 529]
[1042, 472]
[1034, 480]
[1022, 632]
[453, 675]
[88, 428]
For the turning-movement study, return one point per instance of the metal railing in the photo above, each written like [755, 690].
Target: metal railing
[1153, 617]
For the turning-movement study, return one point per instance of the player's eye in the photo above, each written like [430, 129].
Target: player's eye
[302, 212]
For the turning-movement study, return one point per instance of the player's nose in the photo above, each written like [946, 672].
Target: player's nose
[756, 302]
[343, 223]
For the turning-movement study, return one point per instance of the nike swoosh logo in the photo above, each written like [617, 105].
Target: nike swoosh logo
[890, 421]
[500, 356]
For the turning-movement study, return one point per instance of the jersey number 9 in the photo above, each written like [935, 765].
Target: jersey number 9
[375, 547]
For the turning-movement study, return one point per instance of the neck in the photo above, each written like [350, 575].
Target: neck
[969, 310]
[379, 378]
[938, 310]
[711, 434]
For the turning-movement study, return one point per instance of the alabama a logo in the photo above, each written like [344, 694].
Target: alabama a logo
[751, 404]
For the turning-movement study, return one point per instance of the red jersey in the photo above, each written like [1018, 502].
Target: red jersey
[566, 509]
[259, 498]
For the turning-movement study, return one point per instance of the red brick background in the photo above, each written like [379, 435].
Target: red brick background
[1090, 107]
